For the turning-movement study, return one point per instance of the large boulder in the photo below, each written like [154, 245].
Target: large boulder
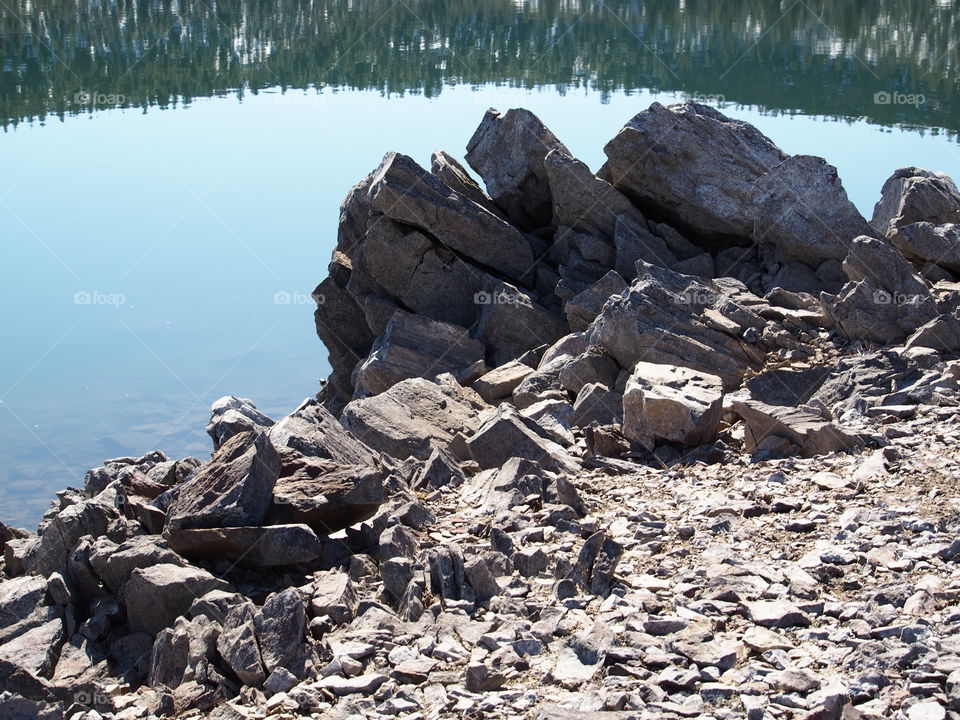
[583, 308]
[232, 490]
[913, 195]
[406, 193]
[508, 152]
[415, 346]
[802, 213]
[312, 431]
[325, 495]
[504, 434]
[675, 404]
[413, 417]
[96, 480]
[692, 166]
[499, 383]
[781, 430]
[929, 244]
[255, 547]
[156, 596]
[511, 323]
[232, 415]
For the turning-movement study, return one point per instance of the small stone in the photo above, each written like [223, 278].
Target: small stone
[776, 614]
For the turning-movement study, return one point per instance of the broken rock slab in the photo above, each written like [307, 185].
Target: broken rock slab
[156, 596]
[913, 195]
[504, 435]
[670, 403]
[232, 415]
[269, 546]
[786, 430]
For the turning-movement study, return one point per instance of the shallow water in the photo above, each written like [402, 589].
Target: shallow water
[161, 253]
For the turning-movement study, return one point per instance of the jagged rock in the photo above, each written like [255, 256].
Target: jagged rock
[583, 308]
[802, 213]
[445, 573]
[776, 614]
[662, 319]
[691, 165]
[439, 470]
[408, 194]
[178, 651]
[36, 650]
[913, 195]
[543, 384]
[19, 598]
[97, 479]
[675, 404]
[768, 426]
[313, 432]
[941, 334]
[364, 685]
[325, 495]
[481, 580]
[396, 574]
[413, 417]
[499, 383]
[511, 323]
[583, 201]
[94, 517]
[786, 386]
[415, 346]
[504, 435]
[237, 645]
[397, 542]
[508, 152]
[597, 404]
[454, 175]
[924, 242]
[597, 563]
[885, 300]
[335, 596]
[280, 625]
[156, 596]
[231, 415]
[232, 490]
[113, 564]
[256, 547]
[594, 365]
[634, 241]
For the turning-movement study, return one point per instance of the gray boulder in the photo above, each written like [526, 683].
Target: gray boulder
[783, 430]
[597, 404]
[512, 323]
[313, 432]
[675, 404]
[257, 547]
[802, 213]
[693, 165]
[454, 175]
[96, 480]
[508, 152]
[499, 383]
[415, 346]
[280, 626]
[583, 308]
[925, 243]
[231, 415]
[238, 647]
[413, 417]
[504, 435]
[156, 596]
[913, 195]
[232, 490]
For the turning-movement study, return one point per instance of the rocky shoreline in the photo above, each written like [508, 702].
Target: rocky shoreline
[676, 440]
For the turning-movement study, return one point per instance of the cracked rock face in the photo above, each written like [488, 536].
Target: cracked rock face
[591, 448]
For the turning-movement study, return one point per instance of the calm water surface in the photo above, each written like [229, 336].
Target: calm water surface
[170, 173]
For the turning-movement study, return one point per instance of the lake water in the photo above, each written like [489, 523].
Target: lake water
[172, 172]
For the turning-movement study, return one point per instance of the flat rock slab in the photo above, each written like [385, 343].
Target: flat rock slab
[268, 546]
[808, 434]
[776, 614]
[156, 596]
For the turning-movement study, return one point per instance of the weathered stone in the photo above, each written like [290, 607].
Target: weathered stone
[269, 546]
[312, 431]
[593, 366]
[413, 417]
[396, 541]
[941, 334]
[802, 213]
[511, 323]
[597, 404]
[361, 684]
[280, 626]
[231, 415]
[583, 308]
[596, 564]
[177, 651]
[481, 580]
[335, 596]
[504, 435]
[414, 346]
[238, 647]
[114, 564]
[706, 186]
[97, 479]
[923, 242]
[19, 597]
[776, 614]
[508, 151]
[439, 470]
[806, 434]
[37, 649]
[913, 195]
[156, 596]
[325, 495]
[406, 193]
[675, 404]
[499, 383]
[454, 175]
[233, 489]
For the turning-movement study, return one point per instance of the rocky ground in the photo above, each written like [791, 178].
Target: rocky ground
[676, 440]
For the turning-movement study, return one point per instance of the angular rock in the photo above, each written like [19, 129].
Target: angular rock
[583, 308]
[280, 626]
[913, 195]
[511, 323]
[597, 404]
[508, 152]
[776, 614]
[454, 175]
[414, 346]
[256, 547]
[406, 193]
[156, 596]
[233, 489]
[238, 647]
[439, 470]
[926, 243]
[413, 417]
[504, 435]
[97, 479]
[499, 383]
[36, 650]
[114, 564]
[675, 404]
[335, 597]
[231, 415]
[312, 431]
[806, 434]
[692, 166]
[802, 213]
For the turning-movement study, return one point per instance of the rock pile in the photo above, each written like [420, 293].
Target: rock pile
[675, 440]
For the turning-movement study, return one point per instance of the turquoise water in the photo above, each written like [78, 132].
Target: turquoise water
[161, 255]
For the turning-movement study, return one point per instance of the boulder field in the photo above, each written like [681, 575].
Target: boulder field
[676, 439]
